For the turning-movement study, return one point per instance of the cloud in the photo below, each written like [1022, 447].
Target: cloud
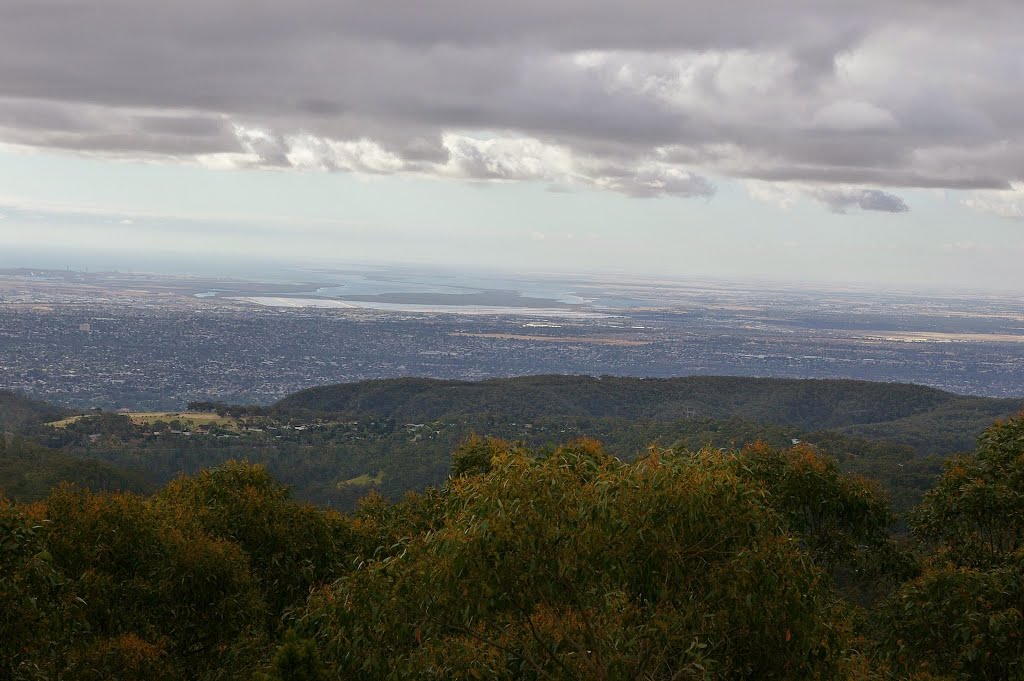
[649, 98]
[20, 210]
[781, 195]
[476, 159]
[852, 116]
[264, 148]
[660, 180]
[1004, 204]
[838, 198]
[841, 200]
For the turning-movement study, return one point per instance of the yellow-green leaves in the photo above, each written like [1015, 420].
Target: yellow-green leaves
[975, 513]
[576, 565]
[963, 615]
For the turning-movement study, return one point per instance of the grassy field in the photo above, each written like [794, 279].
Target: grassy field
[143, 418]
[364, 480]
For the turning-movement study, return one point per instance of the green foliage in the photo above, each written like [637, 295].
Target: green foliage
[291, 547]
[193, 583]
[951, 426]
[842, 520]
[529, 559]
[35, 608]
[155, 579]
[321, 461]
[473, 457]
[125, 657]
[576, 565]
[961, 621]
[318, 441]
[296, 660]
[976, 510]
[963, 614]
[808, 404]
[18, 412]
[28, 471]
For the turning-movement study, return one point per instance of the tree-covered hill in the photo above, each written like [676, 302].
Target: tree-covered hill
[18, 411]
[725, 529]
[334, 444]
[336, 463]
[29, 471]
[891, 411]
[558, 563]
[951, 426]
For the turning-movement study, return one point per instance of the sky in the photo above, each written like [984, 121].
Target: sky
[873, 142]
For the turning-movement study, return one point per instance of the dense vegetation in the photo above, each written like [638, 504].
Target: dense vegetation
[28, 471]
[928, 419]
[724, 528]
[558, 563]
[18, 411]
[335, 463]
[332, 445]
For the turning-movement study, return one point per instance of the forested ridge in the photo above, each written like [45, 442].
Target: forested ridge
[334, 444]
[18, 411]
[335, 463]
[892, 411]
[594, 543]
[565, 563]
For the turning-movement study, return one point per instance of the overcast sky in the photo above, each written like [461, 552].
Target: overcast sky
[872, 141]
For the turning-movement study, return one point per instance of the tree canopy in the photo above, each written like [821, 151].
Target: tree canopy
[552, 562]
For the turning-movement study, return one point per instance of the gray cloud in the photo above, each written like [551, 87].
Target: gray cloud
[647, 98]
[875, 199]
[840, 200]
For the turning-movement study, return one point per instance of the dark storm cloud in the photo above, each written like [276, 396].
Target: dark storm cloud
[644, 98]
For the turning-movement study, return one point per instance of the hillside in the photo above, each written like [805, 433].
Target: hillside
[928, 419]
[28, 472]
[335, 444]
[558, 563]
[335, 463]
[18, 411]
